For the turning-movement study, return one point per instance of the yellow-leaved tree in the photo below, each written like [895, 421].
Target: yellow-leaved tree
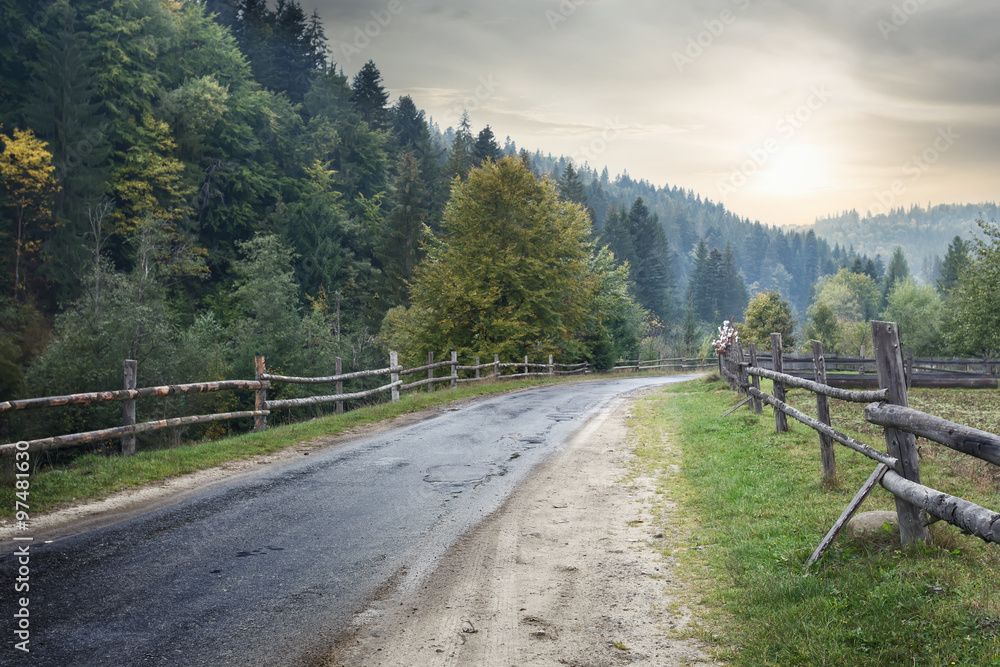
[509, 276]
[28, 185]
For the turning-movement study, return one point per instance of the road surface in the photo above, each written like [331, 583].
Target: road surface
[268, 568]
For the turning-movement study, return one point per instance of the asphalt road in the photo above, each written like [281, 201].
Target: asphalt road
[266, 569]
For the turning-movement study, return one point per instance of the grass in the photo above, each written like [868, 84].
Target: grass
[95, 476]
[752, 508]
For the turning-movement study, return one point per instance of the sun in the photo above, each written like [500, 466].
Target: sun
[795, 171]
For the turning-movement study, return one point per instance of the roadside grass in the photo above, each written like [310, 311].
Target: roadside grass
[95, 476]
[753, 508]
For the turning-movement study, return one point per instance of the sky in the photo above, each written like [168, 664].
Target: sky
[783, 111]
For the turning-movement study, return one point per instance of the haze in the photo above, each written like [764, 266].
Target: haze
[782, 111]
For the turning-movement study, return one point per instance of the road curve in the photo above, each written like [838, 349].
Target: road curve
[266, 569]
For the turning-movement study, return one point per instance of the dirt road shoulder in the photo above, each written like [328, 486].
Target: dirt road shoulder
[566, 572]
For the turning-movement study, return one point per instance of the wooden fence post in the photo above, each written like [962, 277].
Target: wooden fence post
[638, 358]
[734, 368]
[496, 366]
[260, 398]
[526, 365]
[477, 368]
[777, 364]
[758, 406]
[128, 408]
[393, 376]
[338, 369]
[909, 368]
[823, 414]
[552, 369]
[902, 445]
[454, 369]
[741, 376]
[430, 372]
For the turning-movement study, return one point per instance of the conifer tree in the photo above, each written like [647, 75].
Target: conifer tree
[369, 96]
[954, 260]
[570, 186]
[460, 157]
[486, 147]
[898, 271]
[399, 246]
[652, 269]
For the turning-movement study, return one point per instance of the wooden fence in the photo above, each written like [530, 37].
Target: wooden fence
[262, 406]
[898, 471]
[677, 363]
[860, 372]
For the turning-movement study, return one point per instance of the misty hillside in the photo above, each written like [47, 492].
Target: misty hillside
[923, 233]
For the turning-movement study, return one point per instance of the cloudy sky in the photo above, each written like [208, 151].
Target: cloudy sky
[783, 111]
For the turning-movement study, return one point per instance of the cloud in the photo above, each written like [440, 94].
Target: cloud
[561, 82]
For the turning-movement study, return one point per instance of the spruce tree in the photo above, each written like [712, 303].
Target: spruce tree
[460, 158]
[954, 260]
[898, 271]
[652, 269]
[399, 248]
[699, 285]
[486, 147]
[570, 186]
[369, 96]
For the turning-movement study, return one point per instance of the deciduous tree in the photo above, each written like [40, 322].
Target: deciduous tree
[510, 274]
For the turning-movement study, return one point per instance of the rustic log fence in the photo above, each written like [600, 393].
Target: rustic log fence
[898, 469]
[679, 363]
[860, 371]
[262, 405]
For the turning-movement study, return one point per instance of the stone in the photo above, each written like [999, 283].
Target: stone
[868, 523]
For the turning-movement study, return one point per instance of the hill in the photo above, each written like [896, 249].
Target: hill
[923, 233]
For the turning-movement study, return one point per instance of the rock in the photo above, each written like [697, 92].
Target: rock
[868, 523]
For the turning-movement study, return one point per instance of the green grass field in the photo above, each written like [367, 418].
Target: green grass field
[753, 504]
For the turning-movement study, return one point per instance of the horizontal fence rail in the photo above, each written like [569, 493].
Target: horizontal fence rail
[128, 394]
[56, 442]
[264, 381]
[492, 370]
[653, 364]
[898, 470]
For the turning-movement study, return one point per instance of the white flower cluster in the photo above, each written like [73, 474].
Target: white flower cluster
[727, 335]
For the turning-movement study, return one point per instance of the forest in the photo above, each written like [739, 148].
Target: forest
[190, 184]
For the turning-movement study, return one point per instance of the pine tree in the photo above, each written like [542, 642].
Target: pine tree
[651, 265]
[617, 236]
[486, 147]
[954, 260]
[369, 96]
[63, 112]
[460, 158]
[570, 186]
[898, 271]
[399, 246]
[734, 298]
[700, 288]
